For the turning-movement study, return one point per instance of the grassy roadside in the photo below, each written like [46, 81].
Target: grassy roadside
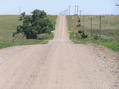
[108, 43]
[46, 38]
[113, 45]
[8, 24]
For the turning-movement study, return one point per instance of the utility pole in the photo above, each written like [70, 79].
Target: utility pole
[76, 9]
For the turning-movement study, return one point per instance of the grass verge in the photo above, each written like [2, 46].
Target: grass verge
[109, 38]
[8, 24]
[113, 45]
[110, 44]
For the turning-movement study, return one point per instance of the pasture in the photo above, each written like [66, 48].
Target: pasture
[8, 24]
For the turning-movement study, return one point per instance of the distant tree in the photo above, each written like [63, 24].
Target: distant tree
[34, 24]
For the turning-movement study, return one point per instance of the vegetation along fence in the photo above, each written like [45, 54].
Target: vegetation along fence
[106, 27]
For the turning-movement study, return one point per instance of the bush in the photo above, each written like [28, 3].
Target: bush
[34, 25]
[82, 34]
[96, 37]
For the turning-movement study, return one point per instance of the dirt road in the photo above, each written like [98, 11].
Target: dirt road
[58, 65]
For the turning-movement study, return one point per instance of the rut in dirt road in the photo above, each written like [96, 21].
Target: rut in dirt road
[57, 65]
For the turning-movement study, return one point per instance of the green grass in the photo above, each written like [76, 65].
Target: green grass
[8, 24]
[113, 45]
[109, 33]
[28, 42]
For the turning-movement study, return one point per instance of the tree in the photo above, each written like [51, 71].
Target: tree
[34, 25]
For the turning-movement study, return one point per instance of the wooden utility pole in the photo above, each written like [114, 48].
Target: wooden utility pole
[76, 9]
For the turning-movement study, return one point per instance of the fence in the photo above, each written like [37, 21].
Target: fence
[107, 27]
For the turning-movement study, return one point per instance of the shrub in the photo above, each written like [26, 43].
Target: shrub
[34, 25]
[82, 34]
[96, 37]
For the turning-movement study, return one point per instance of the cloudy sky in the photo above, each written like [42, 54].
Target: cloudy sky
[56, 6]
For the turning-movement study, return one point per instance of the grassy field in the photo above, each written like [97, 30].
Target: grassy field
[8, 24]
[108, 34]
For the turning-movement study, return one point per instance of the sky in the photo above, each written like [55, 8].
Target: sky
[56, 6]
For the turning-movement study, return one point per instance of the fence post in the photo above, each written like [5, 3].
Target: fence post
[83, 22]
[100, 24]
[91, 26]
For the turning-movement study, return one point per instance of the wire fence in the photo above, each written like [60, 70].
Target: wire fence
[106, 27]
